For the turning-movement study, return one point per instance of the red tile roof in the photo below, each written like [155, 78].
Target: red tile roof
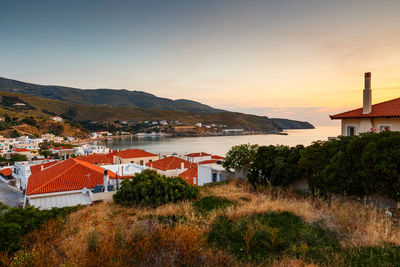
[134, 153]
[170, 163]
[67, 175]
[6, 172]
[21, 150]
[198, 154]
[217, 157]
[99, 158]
[189, 175]
[38, 167]
[211, 161]
[389, 108]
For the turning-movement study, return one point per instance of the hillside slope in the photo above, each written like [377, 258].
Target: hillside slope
[98, 97]
[108, 105]
[236, 227]
[76, 112]
[292, 124]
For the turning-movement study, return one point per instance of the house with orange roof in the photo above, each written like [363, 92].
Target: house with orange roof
[23, 170]
[6, 173]
[190, 175]
[99, 159]
[170, 166]
[384, 116]
[197, 157]
[137, 156]
[66, 183]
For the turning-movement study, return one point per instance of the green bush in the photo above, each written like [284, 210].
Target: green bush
[271, 236]
[151, 189]
[210, 203]
[358, 165]
[275, 165]
[16, 222]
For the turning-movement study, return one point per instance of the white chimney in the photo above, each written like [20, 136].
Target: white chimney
[182, 165]
[367, 94]
[105, 180]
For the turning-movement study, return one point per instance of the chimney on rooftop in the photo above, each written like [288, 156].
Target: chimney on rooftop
[367, 93]
[182, 165]
[105, 180]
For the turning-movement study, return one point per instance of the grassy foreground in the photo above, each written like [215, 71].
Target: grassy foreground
[229, 225]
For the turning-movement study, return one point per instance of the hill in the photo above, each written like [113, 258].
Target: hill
[292, 124]
[229, 225]
[109, 105]
[43, 107]
[99, 97]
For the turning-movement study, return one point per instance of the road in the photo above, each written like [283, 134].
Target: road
[10, 196]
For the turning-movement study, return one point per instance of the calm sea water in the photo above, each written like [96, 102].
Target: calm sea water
[219, 145]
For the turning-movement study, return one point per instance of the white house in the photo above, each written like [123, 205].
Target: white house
[67, 183]
[23, 170]
[197, 157]
[209, 172]
[91, 149]
[170, 166]
[379, 117]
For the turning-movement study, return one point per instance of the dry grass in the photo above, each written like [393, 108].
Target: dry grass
[356, 224]
[110, 235]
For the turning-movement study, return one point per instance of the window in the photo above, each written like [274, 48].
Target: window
[384, 128]
[214, 177]
[351, 130]
[141, 162]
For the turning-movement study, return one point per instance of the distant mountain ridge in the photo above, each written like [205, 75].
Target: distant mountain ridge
[122, 104]
[98, 97]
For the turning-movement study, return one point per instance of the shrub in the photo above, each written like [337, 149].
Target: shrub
[240, 157]
[151, 189]
[210, 203]
[271, 236]
[358, 165]
[275, 165]
[16, 222]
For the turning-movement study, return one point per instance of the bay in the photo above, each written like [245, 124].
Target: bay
[220, 145]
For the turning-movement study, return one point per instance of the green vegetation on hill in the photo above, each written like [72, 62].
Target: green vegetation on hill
[151, 189]
[360, 165]
[110, 105]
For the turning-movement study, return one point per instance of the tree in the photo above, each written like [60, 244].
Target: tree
[240, 158]
[17, 157]
[151, 189]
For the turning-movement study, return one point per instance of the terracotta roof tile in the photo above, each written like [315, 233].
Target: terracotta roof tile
[211, 161]
[99, 158]
[67, 175]
[198, 154]
[389, 108]
[38, 167]
[134, 153]
[189, 175]
[6, 172]
[21, 150]
[217, 157]
[170, 163]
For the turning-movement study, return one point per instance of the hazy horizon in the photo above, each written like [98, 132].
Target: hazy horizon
[300, 60]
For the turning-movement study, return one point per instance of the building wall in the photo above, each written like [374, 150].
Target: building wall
[118, 160]
[198, 159]
[205, 175]
[365, 125]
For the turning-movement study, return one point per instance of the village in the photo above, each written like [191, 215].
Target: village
[70, 175]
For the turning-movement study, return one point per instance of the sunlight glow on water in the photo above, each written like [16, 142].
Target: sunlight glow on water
[221, 144]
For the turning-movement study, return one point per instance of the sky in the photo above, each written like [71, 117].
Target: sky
[298, 59]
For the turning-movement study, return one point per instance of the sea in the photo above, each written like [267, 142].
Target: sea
[220, 145]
